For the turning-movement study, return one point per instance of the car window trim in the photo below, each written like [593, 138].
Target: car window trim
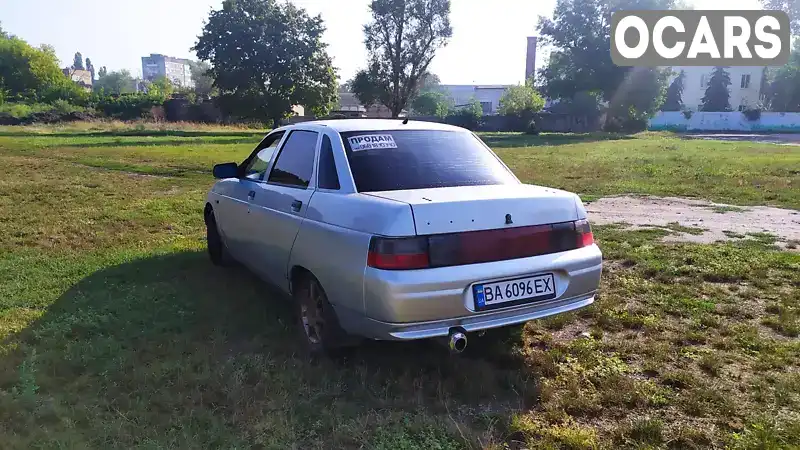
[312, 182]
[255, 151]
[335, 166]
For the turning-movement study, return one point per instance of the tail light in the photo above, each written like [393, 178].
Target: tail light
[398, 253]
[472, 247]
[584, 233]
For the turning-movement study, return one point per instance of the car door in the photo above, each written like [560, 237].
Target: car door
[233, 210]
[279, 205]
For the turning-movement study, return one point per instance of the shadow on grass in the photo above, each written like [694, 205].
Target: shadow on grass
[170, 347]
[179, 133]
[507, 140]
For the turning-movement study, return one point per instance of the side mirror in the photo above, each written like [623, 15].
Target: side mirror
[226, 170]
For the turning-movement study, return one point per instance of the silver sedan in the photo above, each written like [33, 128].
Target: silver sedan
[398, 230]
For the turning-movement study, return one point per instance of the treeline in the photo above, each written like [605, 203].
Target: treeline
[33, 88]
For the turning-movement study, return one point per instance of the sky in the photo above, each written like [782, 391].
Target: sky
[488, 44]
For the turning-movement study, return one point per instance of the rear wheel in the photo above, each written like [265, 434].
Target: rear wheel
[316, 321]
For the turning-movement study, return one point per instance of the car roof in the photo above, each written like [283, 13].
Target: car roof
[345, 125]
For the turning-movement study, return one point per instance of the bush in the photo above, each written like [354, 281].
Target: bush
[23, 110]
[521, 100]
[532, 128]
[467, 116]
[129, 106]
[626, 124]
[25, 113]
[752, 114]
[687, 113]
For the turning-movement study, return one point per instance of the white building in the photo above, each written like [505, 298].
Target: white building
[488, 95]
[176, 70]
[745, 86]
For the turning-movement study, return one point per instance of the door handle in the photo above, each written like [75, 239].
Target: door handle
[296, 205]
[251, 195]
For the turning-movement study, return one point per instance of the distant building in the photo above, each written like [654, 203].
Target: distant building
[351, 108]
[488, 95]
[81, 77]
[745, 86]
[177, 70]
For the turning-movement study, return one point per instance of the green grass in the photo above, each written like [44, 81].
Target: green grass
[723, 209]
[116, 332]
[675, 226]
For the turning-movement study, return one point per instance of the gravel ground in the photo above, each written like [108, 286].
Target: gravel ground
[718, 222]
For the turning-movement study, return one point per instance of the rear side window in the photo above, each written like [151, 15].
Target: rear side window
[295, 162]
[417, 159]
[328, 178]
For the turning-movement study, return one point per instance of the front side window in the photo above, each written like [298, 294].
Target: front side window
[258, 162]
[418, 159]
[295, 162]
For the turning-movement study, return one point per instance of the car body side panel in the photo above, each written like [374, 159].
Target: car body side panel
[229, 199]
[274, 228]
[333, 241]
[365, 213]
[337, 256]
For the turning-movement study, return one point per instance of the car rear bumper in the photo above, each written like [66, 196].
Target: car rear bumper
[416, 304]
[376, 329]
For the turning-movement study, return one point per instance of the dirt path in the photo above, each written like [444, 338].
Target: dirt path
[707, 222]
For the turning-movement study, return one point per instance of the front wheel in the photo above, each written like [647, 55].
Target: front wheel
[216, 247]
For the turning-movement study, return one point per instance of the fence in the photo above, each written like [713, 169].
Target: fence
[768, 122]
[546, 122]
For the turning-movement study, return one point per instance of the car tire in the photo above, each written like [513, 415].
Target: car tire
[317, 325]
[216, 246]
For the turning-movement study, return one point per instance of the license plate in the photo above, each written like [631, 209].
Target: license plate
[516, 291]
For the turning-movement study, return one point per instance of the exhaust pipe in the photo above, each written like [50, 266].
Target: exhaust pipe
[456, 341]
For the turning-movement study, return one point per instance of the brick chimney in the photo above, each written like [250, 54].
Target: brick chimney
[530, 59]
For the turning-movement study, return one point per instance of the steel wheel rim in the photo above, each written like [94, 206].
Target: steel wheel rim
[311, 315]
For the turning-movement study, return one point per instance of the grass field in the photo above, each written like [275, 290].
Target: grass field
[116, 332]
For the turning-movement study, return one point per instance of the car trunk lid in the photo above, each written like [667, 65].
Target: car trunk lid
[476, 208]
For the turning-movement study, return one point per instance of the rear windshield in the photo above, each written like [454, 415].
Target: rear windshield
[417, 159]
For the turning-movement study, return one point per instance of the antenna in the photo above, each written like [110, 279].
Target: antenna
[405, 121]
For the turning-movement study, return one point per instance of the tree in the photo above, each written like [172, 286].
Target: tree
[521, 100]
[3, 33]
[402, 39]
[782, 90]
[580, 34]
[431, 103]
[791, 7]
[581, 104]
[160, 87]
[90, 67]
[638, 97]
[674, 97]
[31, 73]
[77, 64]
[266, 57]
[467, 116]
[347, 86]
[203, 83]
[115, 83]
[103, 72]
[429, 82]
[718, 96]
